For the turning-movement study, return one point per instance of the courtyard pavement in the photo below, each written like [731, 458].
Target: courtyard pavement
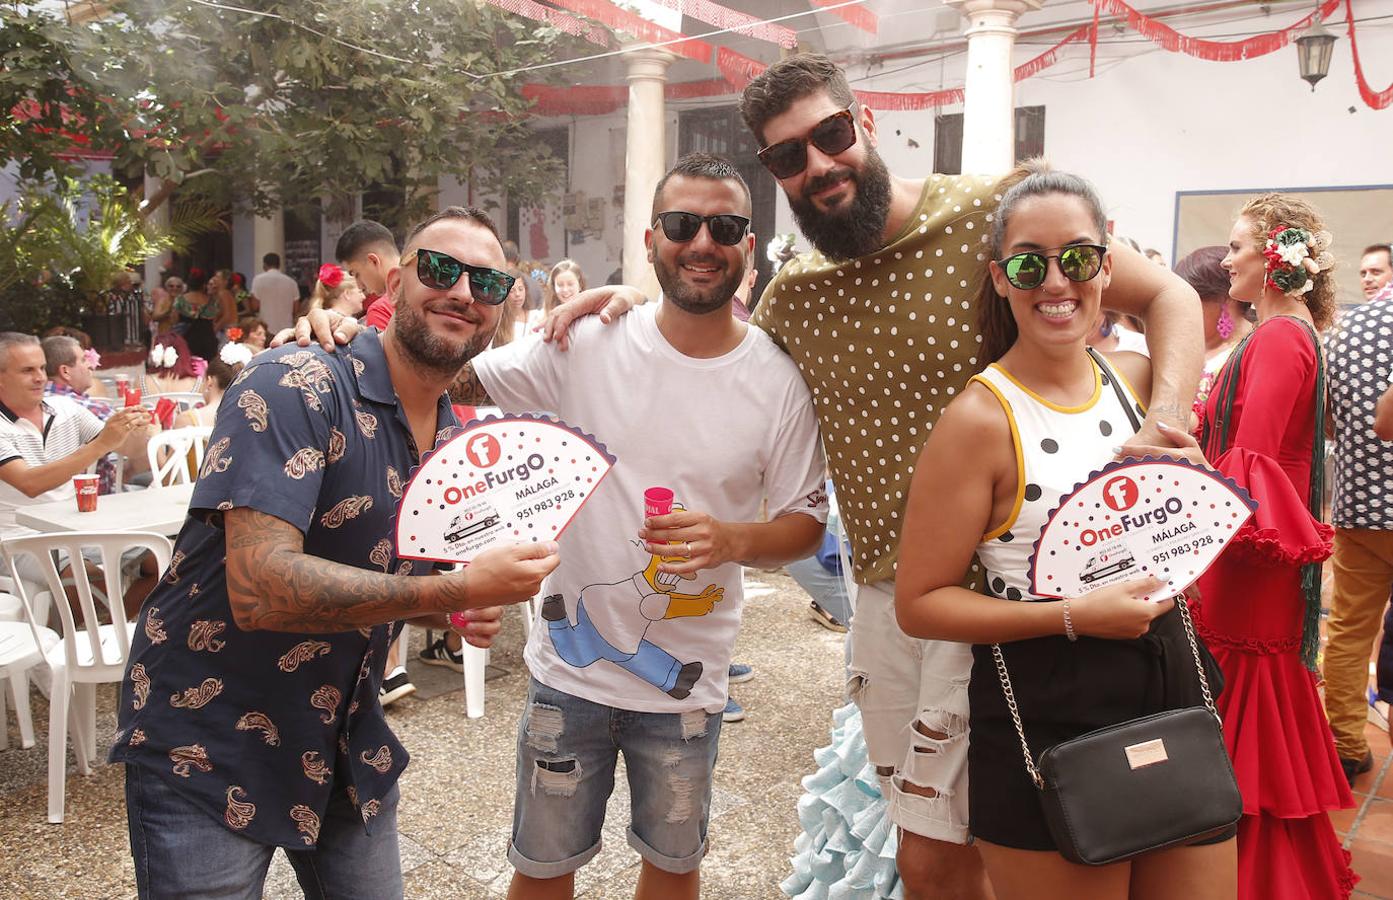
[457, 793]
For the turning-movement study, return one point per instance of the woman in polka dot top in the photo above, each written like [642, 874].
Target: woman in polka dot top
[1044, 416]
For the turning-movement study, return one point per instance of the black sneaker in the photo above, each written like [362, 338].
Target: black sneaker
[395, 686]
[437, 654]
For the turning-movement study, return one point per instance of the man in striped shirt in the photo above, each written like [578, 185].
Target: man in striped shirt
[45, 441]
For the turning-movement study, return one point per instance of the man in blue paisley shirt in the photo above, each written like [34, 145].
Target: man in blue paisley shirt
[249, 715]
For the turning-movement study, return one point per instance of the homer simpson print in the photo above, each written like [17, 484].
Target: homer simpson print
[611, 622]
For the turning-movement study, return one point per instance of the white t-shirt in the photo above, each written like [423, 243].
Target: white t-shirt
[67, 426]
[277, 292]
[721, 433]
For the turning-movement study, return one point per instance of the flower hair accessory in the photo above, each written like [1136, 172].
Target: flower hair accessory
[92, 358]
[235, 354]
[1294, 257]
[163, 357]
[234, 334]
[330, 275]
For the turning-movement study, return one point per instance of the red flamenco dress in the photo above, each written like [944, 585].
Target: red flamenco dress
[1259, 610]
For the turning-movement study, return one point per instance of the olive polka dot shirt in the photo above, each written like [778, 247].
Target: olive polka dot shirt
[884, 343]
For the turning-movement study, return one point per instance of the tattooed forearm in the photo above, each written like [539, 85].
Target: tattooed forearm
[468, 390]
[273, 585]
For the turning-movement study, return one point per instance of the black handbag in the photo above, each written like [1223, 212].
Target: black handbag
[1162, 780]
[1159, 781]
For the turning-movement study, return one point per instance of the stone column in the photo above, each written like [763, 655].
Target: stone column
[268, 236]
[989, 122]
[645, 158]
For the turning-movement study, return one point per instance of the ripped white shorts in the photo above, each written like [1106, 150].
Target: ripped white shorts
[912, 695]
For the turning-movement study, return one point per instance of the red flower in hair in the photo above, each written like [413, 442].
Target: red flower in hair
[234, 334]
[331, 275]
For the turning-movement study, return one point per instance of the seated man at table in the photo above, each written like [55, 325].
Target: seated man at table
[45, 441]
[70, 375]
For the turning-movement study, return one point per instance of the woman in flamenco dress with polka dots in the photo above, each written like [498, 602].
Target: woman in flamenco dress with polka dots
[1259, 605]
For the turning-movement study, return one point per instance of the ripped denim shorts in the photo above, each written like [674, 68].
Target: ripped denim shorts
[567, 751]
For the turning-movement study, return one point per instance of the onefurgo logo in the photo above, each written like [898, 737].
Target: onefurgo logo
[1120, 493]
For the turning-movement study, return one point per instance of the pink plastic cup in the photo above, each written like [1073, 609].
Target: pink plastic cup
[86, 488]
[657, 501]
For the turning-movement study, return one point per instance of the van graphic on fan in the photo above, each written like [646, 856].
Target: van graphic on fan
[1105, 564]
[477, 519]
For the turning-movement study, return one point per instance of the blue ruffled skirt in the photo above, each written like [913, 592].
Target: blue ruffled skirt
[847, 848]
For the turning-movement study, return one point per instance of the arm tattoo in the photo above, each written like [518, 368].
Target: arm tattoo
[468, 390]
[273, 585]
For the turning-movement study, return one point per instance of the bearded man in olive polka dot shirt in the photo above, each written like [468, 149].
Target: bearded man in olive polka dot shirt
[881, 319]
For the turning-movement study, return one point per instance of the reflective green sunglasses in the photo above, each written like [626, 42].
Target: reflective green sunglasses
[439, 272]
[1078, 262]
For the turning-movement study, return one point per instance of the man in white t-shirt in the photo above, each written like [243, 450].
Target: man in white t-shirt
[639, 621]
[277, 293]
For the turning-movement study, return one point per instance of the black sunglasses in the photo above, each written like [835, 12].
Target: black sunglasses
[1078, 262]
[832, 135]
[725, 229]
[439, 272]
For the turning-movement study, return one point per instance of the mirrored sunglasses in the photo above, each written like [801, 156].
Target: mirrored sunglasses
[1078, 262]
[726, 229]
[439, 272]
[832, 135]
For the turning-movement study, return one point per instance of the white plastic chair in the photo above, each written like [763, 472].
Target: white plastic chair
[18, 654]
[89, 653]
[168, 453]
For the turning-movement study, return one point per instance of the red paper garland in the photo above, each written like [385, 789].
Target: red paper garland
[857, 15]
[738, 70]
[1215, 51]
[1376, 99]
[569, 24]
[729, 19]
[639, 27]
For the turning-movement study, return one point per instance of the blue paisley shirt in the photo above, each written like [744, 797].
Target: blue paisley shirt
[258, 728]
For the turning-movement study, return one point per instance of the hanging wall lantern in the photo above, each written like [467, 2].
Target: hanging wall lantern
[1313, 50]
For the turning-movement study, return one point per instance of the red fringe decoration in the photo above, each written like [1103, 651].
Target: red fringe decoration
[857, 15]
[1216, 51]
[1376, 99]
[741, 23]
[622, 20]
[569, 24]
[736, 68]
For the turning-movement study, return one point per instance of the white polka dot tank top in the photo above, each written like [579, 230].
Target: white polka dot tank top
[1056, 448]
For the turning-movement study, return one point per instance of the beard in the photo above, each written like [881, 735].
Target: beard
[856, 229]
[430, 351]
[689, 299]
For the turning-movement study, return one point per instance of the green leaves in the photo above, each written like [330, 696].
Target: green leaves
[312, 99]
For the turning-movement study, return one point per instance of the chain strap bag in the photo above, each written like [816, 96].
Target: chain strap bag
[1159, 781]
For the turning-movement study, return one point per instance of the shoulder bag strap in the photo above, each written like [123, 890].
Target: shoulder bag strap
[1000, 660]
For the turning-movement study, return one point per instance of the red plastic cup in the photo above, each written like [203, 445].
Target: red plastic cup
[657, 501]
[133, 397]
[86, 488]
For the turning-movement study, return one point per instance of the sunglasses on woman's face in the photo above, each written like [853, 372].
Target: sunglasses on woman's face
[726, 229]
[832, 135]
[1078, 262]
[439, 272]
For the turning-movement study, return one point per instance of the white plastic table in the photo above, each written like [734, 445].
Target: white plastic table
[160, 510]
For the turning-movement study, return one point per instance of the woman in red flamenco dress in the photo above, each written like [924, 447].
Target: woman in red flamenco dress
[1259, 605]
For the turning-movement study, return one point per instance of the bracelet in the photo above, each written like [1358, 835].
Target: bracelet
[1069, 622]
